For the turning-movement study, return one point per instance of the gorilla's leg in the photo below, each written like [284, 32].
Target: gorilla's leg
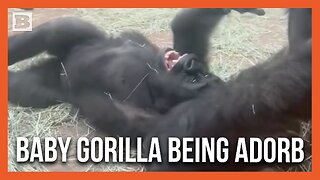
[38, 86]
[57, 37]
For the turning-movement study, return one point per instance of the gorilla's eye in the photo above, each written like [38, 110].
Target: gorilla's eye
[196, 78]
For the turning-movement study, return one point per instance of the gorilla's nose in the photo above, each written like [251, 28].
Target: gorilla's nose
[188, 65]
[191, 65]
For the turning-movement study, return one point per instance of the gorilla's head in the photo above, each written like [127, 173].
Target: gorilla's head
[183, 78]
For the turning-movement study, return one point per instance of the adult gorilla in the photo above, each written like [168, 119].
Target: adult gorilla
[262, 101]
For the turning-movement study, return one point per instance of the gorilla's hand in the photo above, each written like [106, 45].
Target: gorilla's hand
[192, 28]
[257, 11]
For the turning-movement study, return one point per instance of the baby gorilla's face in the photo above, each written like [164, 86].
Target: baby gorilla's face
[187, 63]
[183, 79]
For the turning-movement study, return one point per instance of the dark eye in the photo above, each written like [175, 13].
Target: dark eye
[198, 77]
[195, 79]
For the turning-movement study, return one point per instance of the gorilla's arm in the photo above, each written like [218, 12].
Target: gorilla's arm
[284, 82]
[299, 27]
[57, 37]
[270, 83]
[38, 86]
[192, 28]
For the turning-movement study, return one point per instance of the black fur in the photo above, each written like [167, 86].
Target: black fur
[109, 78]
[262, 101]
[109, 72]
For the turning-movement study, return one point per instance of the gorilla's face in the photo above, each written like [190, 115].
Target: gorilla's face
[186, 64]
[171, 77]
[183, 78]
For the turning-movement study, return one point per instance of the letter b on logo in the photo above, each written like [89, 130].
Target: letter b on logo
[22, 21]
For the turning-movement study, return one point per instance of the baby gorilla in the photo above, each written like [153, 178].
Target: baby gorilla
[120, 76]
[119, 83]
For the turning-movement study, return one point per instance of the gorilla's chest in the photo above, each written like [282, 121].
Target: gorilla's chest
[121, 72]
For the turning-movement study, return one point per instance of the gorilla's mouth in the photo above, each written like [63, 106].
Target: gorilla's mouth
[171, 58]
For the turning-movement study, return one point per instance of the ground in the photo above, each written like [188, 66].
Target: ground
[238, 43]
